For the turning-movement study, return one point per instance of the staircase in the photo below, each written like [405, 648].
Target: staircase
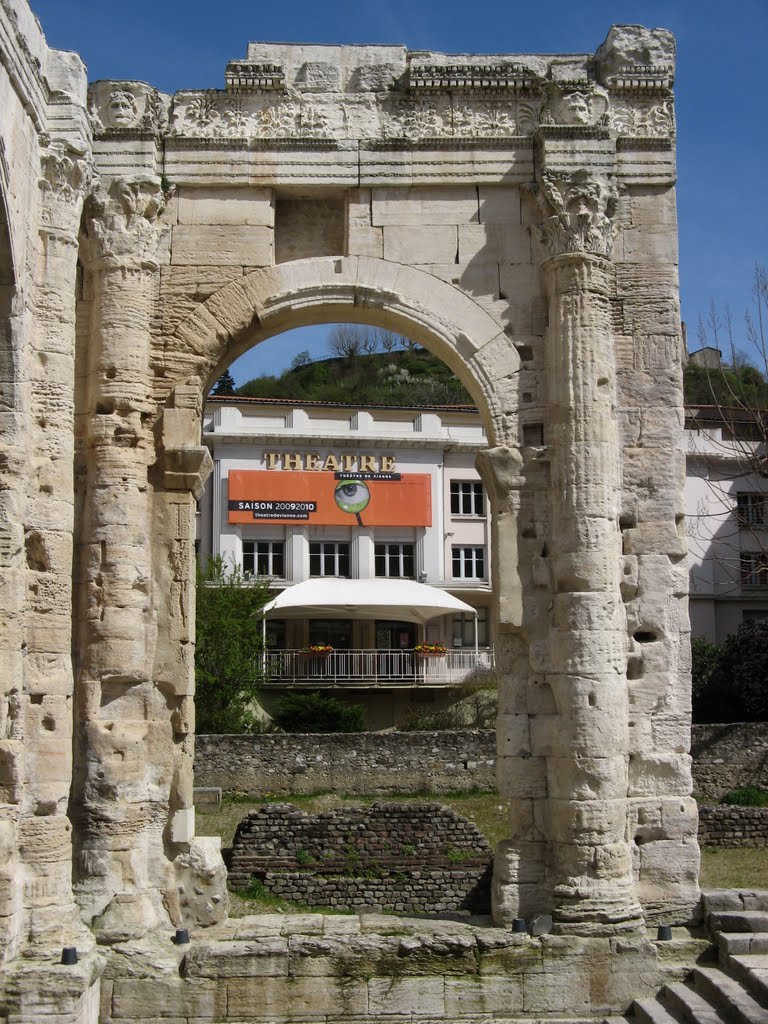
[734, 992]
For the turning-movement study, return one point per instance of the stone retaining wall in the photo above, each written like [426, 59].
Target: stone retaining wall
[725, 756]
[728, 756]
[421, 858]
[407, 762]
[733, 826]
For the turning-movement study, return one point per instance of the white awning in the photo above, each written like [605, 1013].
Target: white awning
[401, 600]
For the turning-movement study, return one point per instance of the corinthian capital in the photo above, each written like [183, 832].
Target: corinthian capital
[122, 222]
[577, 214]
[64, 178]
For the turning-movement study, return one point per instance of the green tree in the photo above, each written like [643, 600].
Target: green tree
[228, 665]
[225, 385]
[742, 671]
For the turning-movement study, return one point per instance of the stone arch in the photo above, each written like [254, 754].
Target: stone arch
[365, 290]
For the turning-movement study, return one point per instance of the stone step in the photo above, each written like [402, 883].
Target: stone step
[650, 1011]
[741, 943]
[752, 971]
[717, 900]
[690, 1006]
[739, 921]
[728, 995]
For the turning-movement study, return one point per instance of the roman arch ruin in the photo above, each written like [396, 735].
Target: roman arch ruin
[516, 215]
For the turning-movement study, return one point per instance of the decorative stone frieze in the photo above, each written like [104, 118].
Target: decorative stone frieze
[243, 76]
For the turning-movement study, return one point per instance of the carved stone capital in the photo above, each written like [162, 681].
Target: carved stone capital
[122, 227]
[184, 467]
[577, 214]
[64, 178]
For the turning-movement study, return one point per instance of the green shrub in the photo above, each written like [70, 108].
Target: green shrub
[315, 712]
[746, 796]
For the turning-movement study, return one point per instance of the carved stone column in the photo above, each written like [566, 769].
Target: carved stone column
[586, 742]
[48, 373]
[124, 738]
[519, 872]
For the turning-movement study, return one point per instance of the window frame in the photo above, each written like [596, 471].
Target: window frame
[467, 492]
[472, 555]
[336, 551]
[751, 509]
[753, 570]
[271, 555]
[394, 549]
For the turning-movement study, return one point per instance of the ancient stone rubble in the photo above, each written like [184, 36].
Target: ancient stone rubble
[513, 213]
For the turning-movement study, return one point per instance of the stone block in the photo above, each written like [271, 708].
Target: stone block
[138, 998]
[424, 207]
[302, 998]
[522, 777]
[495, 995]
[422, 997]
[215, 959]
[494, 243]
[215, 245]
[417, 245]
[225, 205]
[500, 204]
[557, 991]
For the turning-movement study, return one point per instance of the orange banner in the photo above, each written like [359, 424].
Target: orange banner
[329, 499]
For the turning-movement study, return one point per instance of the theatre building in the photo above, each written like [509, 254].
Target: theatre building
[373, 526]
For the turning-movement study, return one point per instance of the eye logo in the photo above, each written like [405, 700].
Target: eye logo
[352, 496]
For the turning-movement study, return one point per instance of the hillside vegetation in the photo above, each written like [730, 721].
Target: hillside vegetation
[413, 378]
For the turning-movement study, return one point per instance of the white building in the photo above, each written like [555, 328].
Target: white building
[726, 504]
[324, 490]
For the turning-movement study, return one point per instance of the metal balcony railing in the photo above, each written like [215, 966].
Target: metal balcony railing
[387, 668]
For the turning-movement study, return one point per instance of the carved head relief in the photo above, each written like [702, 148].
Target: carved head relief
[580, 107]
[125, 106]
[121, 110]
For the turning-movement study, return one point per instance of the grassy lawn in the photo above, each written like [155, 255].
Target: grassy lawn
[720, 868]
[733, 869]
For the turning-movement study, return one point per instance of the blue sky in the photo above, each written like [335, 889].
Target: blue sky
[720, 93]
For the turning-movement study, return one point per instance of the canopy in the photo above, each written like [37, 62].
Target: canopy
[403, 600]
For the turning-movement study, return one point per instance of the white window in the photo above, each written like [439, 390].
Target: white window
[468, 563]
[328, 558]
[264, 558]
[467, 498]
[464, 629]
[395, 560]
[753, 567]
[751, 508]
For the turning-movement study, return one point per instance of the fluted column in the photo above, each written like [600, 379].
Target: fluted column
[124, 738]
[48, 374]
[585, 811]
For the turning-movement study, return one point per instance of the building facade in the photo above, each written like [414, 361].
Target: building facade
[336, 491]
[444, 538]
[726, 503]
